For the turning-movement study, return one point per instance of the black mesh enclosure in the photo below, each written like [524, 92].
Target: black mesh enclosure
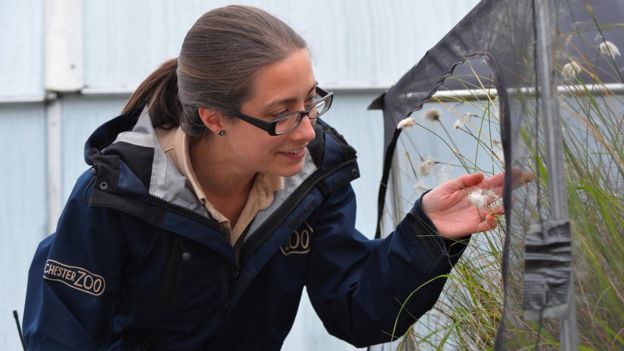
[478, 101]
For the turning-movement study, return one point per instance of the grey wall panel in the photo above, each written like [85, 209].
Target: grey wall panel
[309, 334]
[21, 48]
[80, 116]
[22, 207]
[363, 129]
[355, 43]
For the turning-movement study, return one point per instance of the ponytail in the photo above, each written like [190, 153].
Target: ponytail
[219, 59]
[160, 92]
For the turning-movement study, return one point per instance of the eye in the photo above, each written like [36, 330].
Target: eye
[310, 101]
[280, 114]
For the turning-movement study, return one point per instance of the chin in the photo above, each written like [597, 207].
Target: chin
[292, 172]
[288, 171]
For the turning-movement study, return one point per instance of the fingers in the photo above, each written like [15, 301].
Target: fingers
[468, 180]
[461, 182]
[518, 177]
[496, 182]
[488, 223]
[497, 211]
[493, 211]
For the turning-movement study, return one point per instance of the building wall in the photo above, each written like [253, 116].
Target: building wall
[98, 52]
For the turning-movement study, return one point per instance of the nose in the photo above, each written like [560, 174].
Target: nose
[304, 131]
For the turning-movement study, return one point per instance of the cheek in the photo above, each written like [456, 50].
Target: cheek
[255, 148]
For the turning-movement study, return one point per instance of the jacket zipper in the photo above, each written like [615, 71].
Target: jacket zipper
[269, 226]
[172, 271]
[177, 209]
[264, 231]
[274, 220]
[184, 212]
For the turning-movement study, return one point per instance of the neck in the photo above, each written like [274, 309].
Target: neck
[218, 176]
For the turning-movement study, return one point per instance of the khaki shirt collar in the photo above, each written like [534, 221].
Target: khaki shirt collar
[260, 197]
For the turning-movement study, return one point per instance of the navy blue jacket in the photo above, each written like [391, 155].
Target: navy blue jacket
[136, 262]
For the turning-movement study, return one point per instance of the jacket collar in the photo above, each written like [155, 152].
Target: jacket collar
[127, 151]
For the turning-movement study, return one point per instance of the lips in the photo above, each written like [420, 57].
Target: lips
[295, 154]
[294, 151]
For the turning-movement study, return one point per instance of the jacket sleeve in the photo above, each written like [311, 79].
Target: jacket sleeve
[370, 291]
[72, 279]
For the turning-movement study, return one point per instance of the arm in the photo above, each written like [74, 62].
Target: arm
[72, 280]
[357, 286]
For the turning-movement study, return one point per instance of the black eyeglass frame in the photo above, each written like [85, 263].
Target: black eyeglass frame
[270, 127]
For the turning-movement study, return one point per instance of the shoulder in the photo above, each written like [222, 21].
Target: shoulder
[80, 213]
[334, 158]
[330, 148]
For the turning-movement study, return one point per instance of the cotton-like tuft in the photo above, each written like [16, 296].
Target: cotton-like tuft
[426, 166]
[607, 48]
[570, 70]
[406, 123]
[432, 115]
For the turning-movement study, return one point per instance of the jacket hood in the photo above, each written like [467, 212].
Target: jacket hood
[128, 160]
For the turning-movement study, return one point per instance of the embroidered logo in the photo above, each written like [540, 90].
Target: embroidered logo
[299, 241]
[74, 277]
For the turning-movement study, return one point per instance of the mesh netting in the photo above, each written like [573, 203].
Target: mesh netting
[487, 110]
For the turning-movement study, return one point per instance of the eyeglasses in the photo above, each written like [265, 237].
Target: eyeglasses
[288, 122]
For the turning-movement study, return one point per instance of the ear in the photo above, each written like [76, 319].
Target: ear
[212, 119]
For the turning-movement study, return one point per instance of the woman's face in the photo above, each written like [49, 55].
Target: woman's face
[285, 86]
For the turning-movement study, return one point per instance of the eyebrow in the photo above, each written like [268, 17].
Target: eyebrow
[287, 100]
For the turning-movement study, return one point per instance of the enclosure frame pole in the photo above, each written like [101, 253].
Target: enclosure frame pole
[545, 15]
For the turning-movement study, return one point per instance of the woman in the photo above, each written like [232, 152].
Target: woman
[217, 196]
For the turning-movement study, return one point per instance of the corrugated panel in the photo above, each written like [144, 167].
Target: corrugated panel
[309, 334]
[363, 129]
[355, 43]
[21, 48]
[80, 116]
[22, 207]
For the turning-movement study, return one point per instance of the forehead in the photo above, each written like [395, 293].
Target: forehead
[290, 78]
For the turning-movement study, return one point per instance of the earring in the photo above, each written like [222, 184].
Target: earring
[221, 132]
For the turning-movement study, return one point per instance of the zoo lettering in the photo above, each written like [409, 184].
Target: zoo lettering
[299, 241]
[74, 277]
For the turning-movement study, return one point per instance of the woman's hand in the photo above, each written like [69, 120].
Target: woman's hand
[456, 213]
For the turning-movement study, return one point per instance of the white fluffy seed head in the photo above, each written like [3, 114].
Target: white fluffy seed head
[406, 123]
[443, 174]
[482, 198]
[462, 121]
[570, 70]
[420, 187]
[432, 115]
[477, 198]
[607, 48]
[426, 166]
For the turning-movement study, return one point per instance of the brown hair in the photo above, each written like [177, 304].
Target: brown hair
[220, 57]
